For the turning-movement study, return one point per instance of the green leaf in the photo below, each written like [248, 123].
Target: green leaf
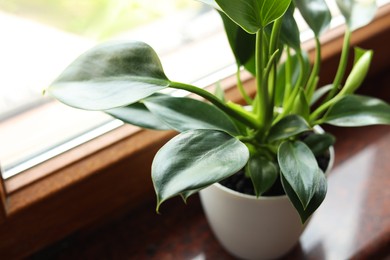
[184, 114]
[315, 202]
[110, 75]
[359, 52]
[241, 43]
[299, 167]
[319, 143]
[359, 71]
[194, 160]
[316, 14]
[253, 15]
[357, 13]
[289, 33]
[356, 110]
[137, 114]
[287, 127]
[263, 173]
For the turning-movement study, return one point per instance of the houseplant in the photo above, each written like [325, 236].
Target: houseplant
[270, 141]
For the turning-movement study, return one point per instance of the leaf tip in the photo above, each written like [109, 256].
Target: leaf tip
[184, 198]
[304, 219]
[159, 202]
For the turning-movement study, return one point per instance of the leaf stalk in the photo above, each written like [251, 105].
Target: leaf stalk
[217, 102]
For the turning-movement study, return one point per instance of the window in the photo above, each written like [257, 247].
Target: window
[42, 37]
[99, 175]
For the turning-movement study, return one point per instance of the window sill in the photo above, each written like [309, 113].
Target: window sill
[110, 175]
[351, 224]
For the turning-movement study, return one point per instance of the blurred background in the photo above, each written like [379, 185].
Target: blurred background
[39, 38]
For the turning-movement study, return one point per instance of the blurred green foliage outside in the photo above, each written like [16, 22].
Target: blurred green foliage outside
[98, 19]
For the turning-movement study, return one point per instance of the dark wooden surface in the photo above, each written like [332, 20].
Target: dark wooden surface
[352, 223]
[3, 202]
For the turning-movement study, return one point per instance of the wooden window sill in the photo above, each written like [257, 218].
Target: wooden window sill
[352, 223]
[110, 175]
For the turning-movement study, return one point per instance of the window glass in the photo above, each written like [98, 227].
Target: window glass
[41, 37]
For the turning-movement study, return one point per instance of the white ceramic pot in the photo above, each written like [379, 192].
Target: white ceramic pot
[250, 227]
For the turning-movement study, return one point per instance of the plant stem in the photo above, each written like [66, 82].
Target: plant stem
[270, 66]
[272, 49]
[288, 86]
[249, 121]
[240, 87]
[311, 85]
[301, 61]
[321, 109]
[275, 36]
[289, 104]
[342, 65]
[268, 70]
[262, 90]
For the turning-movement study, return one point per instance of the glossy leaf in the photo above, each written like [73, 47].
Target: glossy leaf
[241, 43]
[316, 14]
[289, 33]
[263, 173]
[182, 114]
[356, 110]
[253, 15]
[110, 75]
[315, 202]
[357, 13]
[319, 143]
[359, 71]
[299, 167]
[359, 52]
[287, 127]
[194, 160]
[137, 114]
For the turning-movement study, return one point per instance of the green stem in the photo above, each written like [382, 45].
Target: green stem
[301, 61]
[240, 87]
[275, 36]
[269, 67]
[288, 86]
[262, 90]
[272, 49]
[289, 104]
[342, 65]
[311, 86]
[322, 109]
[217, 102]
[272, 84]
[268, 75]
